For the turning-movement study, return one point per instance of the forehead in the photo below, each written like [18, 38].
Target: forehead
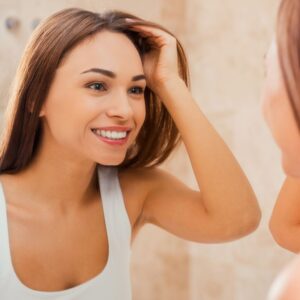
[109, 50]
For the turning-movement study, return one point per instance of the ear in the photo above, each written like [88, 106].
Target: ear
[30, 109]
[42, 112]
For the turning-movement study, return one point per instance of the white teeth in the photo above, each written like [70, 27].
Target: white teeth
[114, 135]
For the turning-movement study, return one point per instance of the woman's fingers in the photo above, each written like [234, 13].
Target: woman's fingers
[159, 36]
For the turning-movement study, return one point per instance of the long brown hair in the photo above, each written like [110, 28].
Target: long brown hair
[288, 42]
[48, 45]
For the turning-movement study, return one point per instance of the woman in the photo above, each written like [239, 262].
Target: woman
[281, 106]
[282, 112]
[99, 101]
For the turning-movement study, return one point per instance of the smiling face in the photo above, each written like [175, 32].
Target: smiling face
[279, 115]
[95, 106]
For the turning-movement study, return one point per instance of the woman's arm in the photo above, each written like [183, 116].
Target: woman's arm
[226, 208]
[285, 220]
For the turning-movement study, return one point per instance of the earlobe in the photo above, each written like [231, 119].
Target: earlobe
[42, 113]
[30, 109]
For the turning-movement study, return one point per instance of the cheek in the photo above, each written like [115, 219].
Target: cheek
[139, 110]
[64, 118]
[283, 126]
[269, 106]
[59, 125]
[57, 113]
[275, 104]
[140, 113]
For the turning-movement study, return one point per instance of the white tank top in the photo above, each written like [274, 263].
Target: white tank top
[113, 283]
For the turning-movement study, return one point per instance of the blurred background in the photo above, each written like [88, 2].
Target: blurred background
[225, 43]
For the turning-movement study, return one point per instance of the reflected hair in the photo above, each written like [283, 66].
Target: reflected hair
[288, 42]
[47, 47]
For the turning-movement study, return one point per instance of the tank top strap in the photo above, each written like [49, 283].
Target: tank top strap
[115, 214]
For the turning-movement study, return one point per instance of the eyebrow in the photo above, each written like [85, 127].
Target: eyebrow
[112, 74]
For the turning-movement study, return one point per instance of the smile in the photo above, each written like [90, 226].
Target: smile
[113, 135]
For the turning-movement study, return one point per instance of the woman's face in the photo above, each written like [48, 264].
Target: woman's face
[279, 115]
[95, 106]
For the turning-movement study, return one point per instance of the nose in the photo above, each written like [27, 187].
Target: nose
[120, 106]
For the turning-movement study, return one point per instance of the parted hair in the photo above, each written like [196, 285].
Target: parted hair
[288, 42]
[49, 43]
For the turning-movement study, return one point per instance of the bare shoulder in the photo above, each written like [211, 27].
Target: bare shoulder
[142, 181]
[149, 178]
[136, 185]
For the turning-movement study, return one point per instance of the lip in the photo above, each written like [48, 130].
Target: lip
[114, 128]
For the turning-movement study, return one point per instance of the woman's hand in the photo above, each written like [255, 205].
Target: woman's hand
[226, 207]
[161, 63]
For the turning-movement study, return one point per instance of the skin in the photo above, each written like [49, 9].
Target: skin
[67, 200]
[284, 222]
[279, 115]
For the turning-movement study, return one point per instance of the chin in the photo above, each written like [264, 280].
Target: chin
[112, 164]
[110, 161]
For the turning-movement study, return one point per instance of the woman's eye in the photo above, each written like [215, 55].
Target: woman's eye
[98, 86]
[137, 90]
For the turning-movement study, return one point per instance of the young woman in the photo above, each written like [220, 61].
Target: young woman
[282, 112]
[281, 106]
[99, 101]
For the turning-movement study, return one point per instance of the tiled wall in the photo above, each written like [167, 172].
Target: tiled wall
[225, 42]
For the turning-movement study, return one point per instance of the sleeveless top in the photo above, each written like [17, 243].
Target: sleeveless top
[113, 283]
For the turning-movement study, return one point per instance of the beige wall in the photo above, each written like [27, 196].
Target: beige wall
[225, 42]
